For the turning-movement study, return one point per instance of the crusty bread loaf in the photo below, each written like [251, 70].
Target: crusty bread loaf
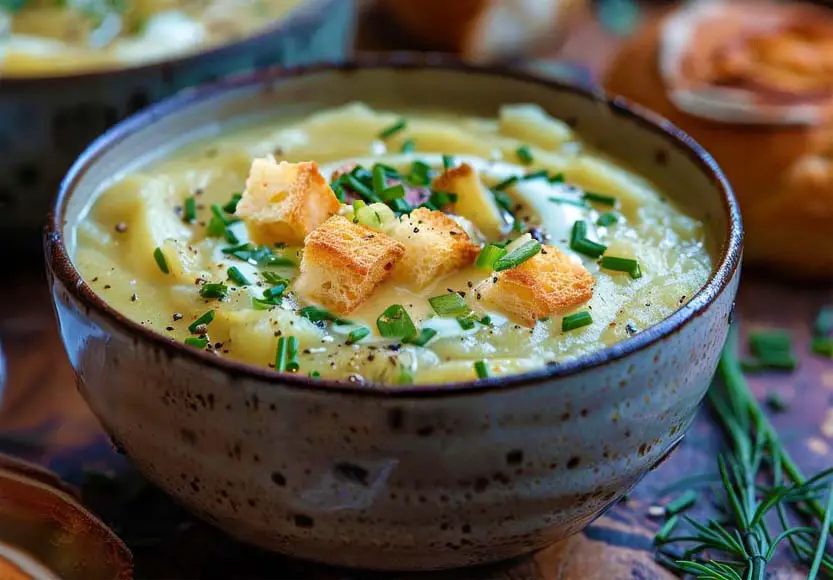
[344, 262]
[283, 202]
[435, 245]
[482, 29]
[550, 283]
[474, 201]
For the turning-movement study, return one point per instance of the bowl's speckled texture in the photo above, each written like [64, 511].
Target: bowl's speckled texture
[45, 123]
[399, 478]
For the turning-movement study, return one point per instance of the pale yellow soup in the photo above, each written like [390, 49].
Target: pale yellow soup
[49, 37]
[141, 212]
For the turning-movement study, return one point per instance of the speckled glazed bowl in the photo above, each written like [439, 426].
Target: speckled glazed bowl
[46, 122]
[397, 477]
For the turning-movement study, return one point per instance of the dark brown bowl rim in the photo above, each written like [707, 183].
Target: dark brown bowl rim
[59, 262]
[307, 11]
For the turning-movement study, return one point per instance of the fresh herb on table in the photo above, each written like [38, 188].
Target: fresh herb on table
[760, 482]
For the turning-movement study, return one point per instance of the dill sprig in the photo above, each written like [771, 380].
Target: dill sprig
[760, 485]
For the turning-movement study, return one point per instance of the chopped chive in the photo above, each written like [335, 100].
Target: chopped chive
[400, 205]
[357, 334]
[568, 201]
[778, 362]
[257, 255]
[421, 339]
[280, 354]
[160, 260]
[524, 154]
[481, 370]
[420, 173]
[504, 201]
[189, 210]
[824, 321]
[577, 320]
[236, 276]
[230, 236]
[488, 256]
[540, 174]
[361, 188]
[216, 227]
[231, 206]
[316, 314]
[681, 503]
[390, 171]
[272, 278]
[442, 198]
[448, 304]
[769, 342]
[631, 267]
[517, 256]
[579, 242]
[408, 146]
[393, 129]
[220, 215]
[275, 293]
[776, 403]
[486, 320]
[822, 346]
[666, 530]
[448, 162]
[558, 178]
[204, 319]
[261, 304]
[362, 174]
[198, 342]
[506, 183]
[607, 219]
[292, 363]
[314, 375]
[466, 321]
[379, 179]
[395, 322]
[391, 193]
[214, 290]
[599, 198]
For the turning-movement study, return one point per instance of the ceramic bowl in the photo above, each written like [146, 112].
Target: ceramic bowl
[397, 477]
[46, 122]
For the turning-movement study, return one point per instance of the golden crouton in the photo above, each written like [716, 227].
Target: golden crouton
[344, 262]
[474, 201]
[284, 202]
[435, 245]
[548, 283]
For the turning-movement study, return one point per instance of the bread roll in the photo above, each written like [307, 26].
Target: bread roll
[753, 84]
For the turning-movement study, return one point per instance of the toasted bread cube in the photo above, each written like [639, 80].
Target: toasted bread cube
[435, 245]
[474, 200]
[344, 262]
[284, 202]
[550, 283]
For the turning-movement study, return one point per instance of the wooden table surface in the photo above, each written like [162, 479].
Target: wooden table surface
[42, 418]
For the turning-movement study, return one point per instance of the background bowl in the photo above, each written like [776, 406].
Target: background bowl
[397, 477]
[46, 122]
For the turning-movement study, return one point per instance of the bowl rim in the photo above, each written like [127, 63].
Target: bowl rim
[61, 266]
[305, 11]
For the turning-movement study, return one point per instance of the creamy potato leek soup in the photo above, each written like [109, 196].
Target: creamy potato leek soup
[393, 247]
[46, 37]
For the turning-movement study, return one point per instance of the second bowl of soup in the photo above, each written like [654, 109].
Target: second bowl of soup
[353, 316]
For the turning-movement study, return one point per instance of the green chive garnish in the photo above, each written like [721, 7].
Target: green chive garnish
[504, 201]
[216, 227]
[824, 321]
[607, 219]
[314, 375]
[160, 260]
[666, 530]
[776, 403]
[466, 321]
[315, 314]
[214, 290]
[230, 236]
[627, 265]
[408, 146]
[517, 256]
[421, 339]
[764, 343]
[273, 278]
[257, 255]
[524, 154]
[486, 320]
[399, 205]
[558, 178]
[220, 215]
[540, 174]
[599, 198]
[449, 304]
[379, 179]
[481, 370]
[357, 334]
[189, 211]
[194, 341]
[506, 183]
[204, 319]
[579, 242]
[361, 188]
[393, 129]
[420, 173]
[681, 503]
[776, 361]
[568, 201]
[395, 322]
[292, 364]
[236, 276]
[822, 346]
[488, 256]
[391, 193]
[577, 320]
[231, 206]
[448, 162]
[440, 199]
[280, 355]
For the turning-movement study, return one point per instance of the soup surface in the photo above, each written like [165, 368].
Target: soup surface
[49, 37]
[419, 247]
